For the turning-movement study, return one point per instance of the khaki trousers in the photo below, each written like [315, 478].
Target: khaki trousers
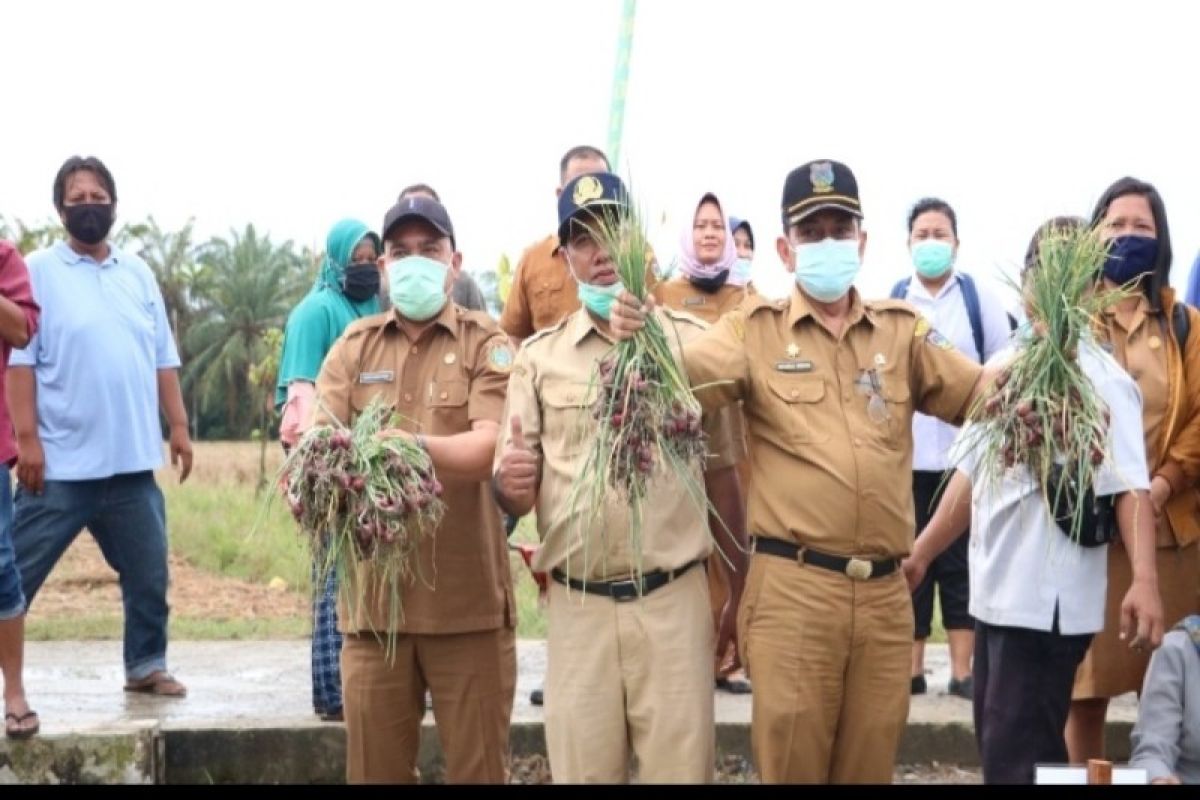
[829, 657]
[471, 676]
[631, 678]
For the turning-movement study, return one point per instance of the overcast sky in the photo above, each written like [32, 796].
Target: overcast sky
[293, 114]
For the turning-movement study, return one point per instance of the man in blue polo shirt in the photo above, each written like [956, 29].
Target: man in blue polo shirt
[84, 397]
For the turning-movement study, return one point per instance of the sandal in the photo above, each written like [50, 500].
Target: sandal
[161, 684]
[15, 731]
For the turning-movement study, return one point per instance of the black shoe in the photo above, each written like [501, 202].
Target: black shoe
[537, 697]
[964, 688]
[918, 684]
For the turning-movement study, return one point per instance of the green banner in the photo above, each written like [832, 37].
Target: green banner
[616, 111]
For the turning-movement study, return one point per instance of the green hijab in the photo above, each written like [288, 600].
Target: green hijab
[343, 238]
[317, 322]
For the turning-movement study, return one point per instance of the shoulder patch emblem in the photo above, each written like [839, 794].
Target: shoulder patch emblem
[937, 340]
[500, 357]
[922, 328]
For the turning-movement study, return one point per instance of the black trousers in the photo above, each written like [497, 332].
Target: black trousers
[949, 572]
[1023, 681]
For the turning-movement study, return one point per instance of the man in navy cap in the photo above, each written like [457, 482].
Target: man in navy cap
[630, 660]
[829, 383]
[443, 369]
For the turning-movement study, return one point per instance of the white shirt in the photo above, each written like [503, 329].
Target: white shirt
[947, 312]
[1021, 565]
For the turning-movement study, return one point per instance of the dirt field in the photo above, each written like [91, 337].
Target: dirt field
[83, 583]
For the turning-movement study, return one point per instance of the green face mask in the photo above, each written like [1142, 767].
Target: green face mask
[599, 299]
[417, 286]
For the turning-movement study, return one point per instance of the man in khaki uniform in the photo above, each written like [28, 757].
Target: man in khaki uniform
[543, 291]
[829, 385]
[445, 370]
[630, 668]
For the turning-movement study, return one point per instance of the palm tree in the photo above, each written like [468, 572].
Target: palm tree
[251, 286]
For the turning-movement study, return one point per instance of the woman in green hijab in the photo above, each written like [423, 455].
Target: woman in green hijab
[346, 289]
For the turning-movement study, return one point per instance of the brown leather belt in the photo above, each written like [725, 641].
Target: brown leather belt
[860, 569]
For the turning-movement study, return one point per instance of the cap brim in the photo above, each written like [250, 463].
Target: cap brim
[590, 209]
[808, 212]
[416, 215]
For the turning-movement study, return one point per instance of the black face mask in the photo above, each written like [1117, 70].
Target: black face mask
[361, 282]
[89, 222]
[710, 285]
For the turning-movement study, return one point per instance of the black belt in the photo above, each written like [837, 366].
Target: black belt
[623, 591]
[860, 569]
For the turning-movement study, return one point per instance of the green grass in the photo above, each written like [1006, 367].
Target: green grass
[531, 621]
[227, 530]
[109, 626]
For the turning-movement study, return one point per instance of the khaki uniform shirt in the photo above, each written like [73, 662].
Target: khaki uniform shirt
[830, 421]
[681, 294]
[453, 375]
[543, 291]
[1142, 350]
[550, 390]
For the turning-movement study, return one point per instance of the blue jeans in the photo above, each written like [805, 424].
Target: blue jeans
[12, 601]
[128, 518]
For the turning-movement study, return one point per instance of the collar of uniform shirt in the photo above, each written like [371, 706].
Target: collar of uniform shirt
[583, 324]
[447, 318]
[801, 309]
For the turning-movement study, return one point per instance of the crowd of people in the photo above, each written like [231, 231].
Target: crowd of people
[841, 496]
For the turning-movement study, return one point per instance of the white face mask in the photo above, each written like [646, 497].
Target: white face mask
[826, 270]
[739, 273]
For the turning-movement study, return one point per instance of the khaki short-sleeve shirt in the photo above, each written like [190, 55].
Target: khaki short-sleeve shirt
[830, 420]
[453, 375]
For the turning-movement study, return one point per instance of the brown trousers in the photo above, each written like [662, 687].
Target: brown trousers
[632, 677]
[829, 657]
[471, 676]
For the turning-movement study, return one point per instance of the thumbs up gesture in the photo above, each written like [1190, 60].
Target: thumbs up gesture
[517, 477]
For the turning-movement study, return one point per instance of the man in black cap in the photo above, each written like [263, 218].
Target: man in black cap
[630, 667]
[444, 370]
[829, 384]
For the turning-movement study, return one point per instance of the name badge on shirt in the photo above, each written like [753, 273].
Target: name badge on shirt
[693, 301]
[794, 365]
[386, 376]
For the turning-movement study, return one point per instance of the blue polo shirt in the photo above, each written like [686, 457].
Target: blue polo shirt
[96, 355]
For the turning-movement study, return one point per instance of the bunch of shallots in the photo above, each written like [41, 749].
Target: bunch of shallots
[362, 499]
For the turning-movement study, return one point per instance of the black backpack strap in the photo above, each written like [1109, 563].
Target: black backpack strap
[1181, 324]
[974, 314]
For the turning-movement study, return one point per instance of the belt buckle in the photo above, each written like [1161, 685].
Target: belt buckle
[623, 591]
[859, 569]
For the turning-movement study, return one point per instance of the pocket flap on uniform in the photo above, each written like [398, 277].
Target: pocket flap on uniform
[804, 390]
[449, 393]
[566, 394]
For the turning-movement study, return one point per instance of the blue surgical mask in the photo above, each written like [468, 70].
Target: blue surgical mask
[417, 286]
[932, 258]
[1130, 257]
[739, 273]
[599, 299]
[826, 270]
